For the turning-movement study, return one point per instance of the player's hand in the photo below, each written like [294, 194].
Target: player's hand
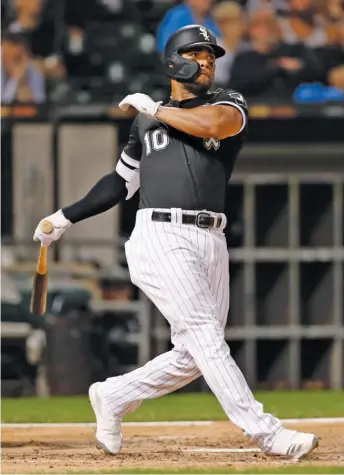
[141, 102]
[60, 225]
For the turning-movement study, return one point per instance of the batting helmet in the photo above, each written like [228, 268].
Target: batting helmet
[176, 66]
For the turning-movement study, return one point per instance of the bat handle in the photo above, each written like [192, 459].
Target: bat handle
[46, 227]
[42, 266]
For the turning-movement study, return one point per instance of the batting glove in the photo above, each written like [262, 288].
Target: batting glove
[60, 225]
[141, 102]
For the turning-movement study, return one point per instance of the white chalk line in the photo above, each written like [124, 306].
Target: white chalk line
[161, 437]
[315, 420]
[223, 450]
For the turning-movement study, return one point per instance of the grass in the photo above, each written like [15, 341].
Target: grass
[290, 469]
[175, 407]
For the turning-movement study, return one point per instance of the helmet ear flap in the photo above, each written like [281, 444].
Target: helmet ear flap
[181, 69]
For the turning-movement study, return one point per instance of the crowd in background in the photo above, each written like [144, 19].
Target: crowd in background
[115, 46]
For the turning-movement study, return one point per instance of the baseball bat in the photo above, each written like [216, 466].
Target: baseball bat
[38, 302]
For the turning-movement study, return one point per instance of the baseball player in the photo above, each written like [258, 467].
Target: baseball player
[181, 156]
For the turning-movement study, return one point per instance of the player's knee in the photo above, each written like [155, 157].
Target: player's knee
[209, 338]
[184, 360]
[209, 326]
[190, 365]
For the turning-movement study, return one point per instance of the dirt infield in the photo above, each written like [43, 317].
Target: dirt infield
[61, 449]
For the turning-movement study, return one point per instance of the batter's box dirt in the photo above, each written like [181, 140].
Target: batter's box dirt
[61, 449]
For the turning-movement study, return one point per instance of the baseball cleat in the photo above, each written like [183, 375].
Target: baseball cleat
[293, 444]
[108, 431]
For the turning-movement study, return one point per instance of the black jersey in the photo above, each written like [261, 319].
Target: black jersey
[176, 170]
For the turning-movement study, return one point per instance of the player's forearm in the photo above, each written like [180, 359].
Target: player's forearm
[105, 194]
[202, 122]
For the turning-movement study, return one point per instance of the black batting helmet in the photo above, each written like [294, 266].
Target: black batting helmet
[184, 39]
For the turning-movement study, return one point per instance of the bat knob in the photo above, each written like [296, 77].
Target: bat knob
[46, 227]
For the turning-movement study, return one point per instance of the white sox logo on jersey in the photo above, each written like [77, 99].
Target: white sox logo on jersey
[238, 98]
[212, 143]
[204, 33]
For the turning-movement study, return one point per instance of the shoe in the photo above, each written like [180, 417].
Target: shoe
[293, 444]
[108, 432]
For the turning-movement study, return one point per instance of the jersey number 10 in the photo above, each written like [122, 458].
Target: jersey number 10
[157, 139]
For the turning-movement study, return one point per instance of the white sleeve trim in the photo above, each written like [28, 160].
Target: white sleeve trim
[130, 161]
[124, 171]
[132, 178]
[133, 185]
[244, 119]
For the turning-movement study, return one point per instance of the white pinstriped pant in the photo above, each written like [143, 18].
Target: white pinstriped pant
[184, 271]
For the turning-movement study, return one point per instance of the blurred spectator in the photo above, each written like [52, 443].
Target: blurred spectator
[277, 5]
[333, 57]
[77, 15]
[76, 59]
[272, 69]
[332, 9]
[189, 13]
[333, 13]
[90, 22]
[336, 77]
[39, 30]
[230, 18]
[303, 23]
[21, 80]
[28, 19]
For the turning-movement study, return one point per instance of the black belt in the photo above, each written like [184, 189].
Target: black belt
[201, 220]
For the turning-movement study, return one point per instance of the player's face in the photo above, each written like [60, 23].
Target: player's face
[206, 59]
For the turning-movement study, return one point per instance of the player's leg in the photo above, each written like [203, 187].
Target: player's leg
[174, 261]
[280, 441]
[162, 375]
[173, 268]
[171, 264]
[218, 278]
[116, 397]
[219, 281]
